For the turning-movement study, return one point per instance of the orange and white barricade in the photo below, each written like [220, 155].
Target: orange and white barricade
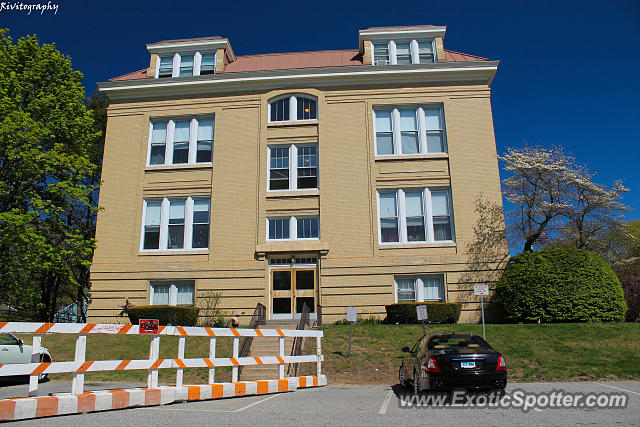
[79, 401]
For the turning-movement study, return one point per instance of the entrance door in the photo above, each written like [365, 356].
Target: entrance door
[291, 288]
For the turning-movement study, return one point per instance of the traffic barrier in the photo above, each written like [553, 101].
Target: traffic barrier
[79, 401]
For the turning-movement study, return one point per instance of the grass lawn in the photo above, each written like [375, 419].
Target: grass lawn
[546, 352]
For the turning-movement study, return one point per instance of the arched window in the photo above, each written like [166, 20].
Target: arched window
[292, 108]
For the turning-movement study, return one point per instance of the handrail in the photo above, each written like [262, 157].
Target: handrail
[296, 348]
[259, 318]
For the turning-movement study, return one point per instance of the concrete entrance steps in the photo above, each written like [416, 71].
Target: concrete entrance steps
[268, 346]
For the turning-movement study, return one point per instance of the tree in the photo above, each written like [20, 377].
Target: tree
[551, 193]
[46, 135]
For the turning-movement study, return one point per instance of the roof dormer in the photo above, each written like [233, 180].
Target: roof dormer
[402, 45]
[189, 57]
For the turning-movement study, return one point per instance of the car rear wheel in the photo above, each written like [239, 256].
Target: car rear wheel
[416, 384]
[402, 376]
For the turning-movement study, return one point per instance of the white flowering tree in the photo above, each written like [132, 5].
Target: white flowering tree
[552, 194]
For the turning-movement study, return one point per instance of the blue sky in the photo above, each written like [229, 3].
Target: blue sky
[569, 72]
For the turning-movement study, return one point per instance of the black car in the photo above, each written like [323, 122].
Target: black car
[455, 360]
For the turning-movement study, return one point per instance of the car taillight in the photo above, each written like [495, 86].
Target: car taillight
[432, 366]
[502, 364]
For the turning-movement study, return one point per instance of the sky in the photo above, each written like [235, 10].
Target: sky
[569, 73]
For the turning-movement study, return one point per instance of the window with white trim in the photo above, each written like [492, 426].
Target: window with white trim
[175, 224]
[293, 108]
[402, 52]
[172, 293]
[409, 130]
[301, 174]
[180, 141]
[414, 216]
[186, 64]
[420, 288]
[293, 228]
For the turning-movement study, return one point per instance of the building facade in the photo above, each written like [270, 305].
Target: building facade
[331, 178]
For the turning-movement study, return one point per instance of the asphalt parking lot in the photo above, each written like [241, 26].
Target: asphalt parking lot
[352, 405]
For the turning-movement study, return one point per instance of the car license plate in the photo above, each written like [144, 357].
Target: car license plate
[467, 364]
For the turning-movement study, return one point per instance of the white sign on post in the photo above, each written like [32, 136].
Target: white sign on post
[352, 314]
[421, 311]
[481, 289]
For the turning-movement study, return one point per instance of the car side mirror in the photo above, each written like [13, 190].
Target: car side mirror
[406, 350]
[20, 342]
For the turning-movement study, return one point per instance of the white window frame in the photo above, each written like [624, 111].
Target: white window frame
[396, 130]
[414, 50]
[293, 166]
[164, 224]
[419, 286]
[428, 217]
[173, 291]
[293, 108]
[193, 141]
[197, 62]
[293, 228]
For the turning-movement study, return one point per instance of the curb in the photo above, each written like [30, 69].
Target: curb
[105, 400]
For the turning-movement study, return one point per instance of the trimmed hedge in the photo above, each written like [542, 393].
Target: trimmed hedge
[166, 314]
[437, 312]
[559, 285]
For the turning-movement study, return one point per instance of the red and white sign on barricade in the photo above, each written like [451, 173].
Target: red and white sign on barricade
[80, 365]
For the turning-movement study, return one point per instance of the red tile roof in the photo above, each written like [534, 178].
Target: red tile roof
[287, 61]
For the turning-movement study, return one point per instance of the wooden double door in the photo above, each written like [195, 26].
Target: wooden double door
[291, 288]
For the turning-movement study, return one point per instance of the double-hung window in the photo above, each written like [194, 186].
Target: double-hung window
[181, 141]
[388, 218]
[381, 53]
[403, 52]
[204, 145]
[172, 293]
[293, 228]
[415, 215]
[293, 167]
[151, 237]
[420, 288]
[409, 130]
[208, 63]
[165, 68]
[406, 290]
[200, 223]
[293, 108]
[186, 64]
[176, 224]
[158, 143]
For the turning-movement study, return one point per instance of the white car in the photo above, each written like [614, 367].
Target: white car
[14, 350]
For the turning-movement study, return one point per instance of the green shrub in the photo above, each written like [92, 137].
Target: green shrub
[437, 312]
[361, 320]
[166, 314]
[559, 285]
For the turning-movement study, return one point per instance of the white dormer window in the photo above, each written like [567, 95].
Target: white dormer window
[186, 64]
[402, 52]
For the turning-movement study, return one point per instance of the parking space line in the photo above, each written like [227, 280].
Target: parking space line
[385, 403]
[161, 408]
[618, 388]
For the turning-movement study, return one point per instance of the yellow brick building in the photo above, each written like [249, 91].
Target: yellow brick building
[330, 178]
